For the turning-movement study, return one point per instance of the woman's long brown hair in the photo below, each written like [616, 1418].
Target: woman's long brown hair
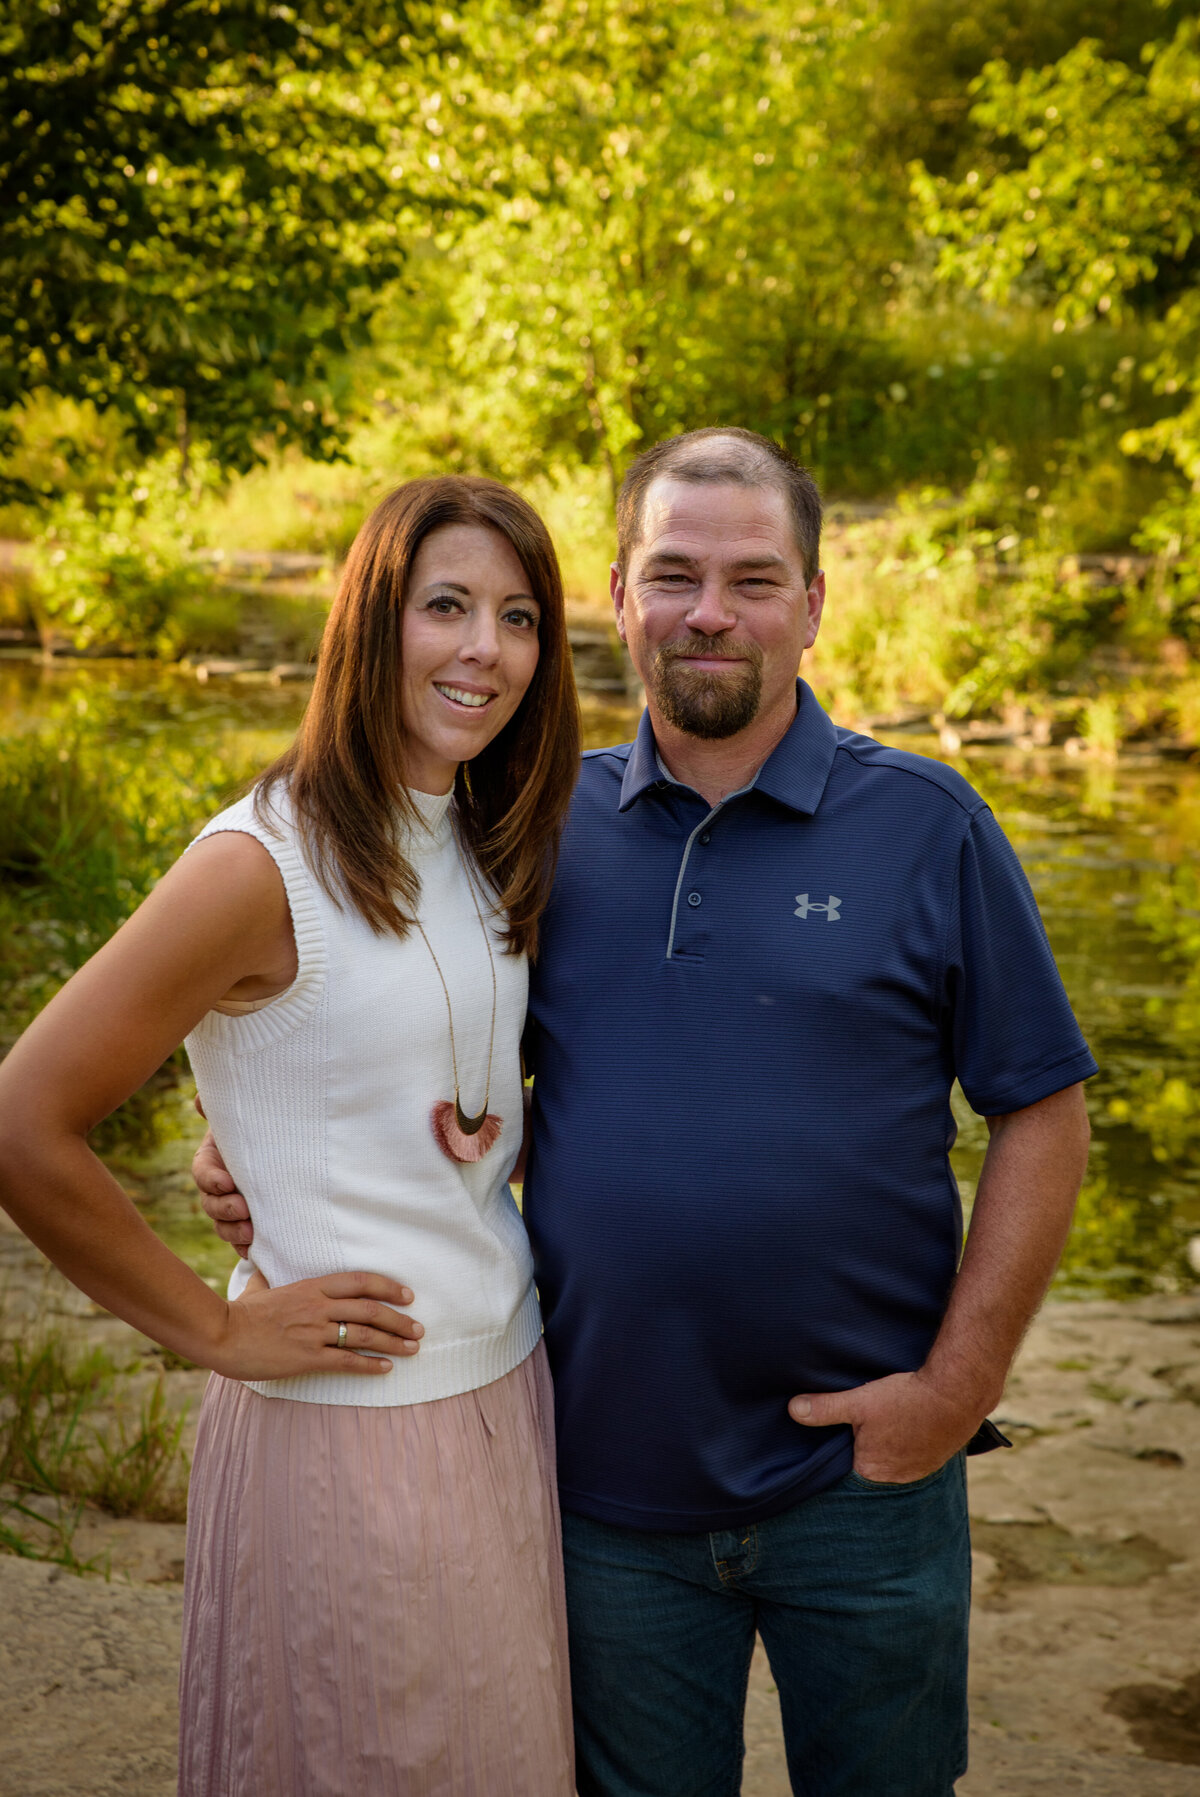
[345, 772]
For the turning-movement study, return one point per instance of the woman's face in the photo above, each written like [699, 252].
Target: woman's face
[469, 640]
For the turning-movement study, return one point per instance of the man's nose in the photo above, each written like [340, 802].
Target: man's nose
[711, 611]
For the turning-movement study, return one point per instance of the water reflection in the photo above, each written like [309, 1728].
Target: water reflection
[1111, 848]
[1107, 846]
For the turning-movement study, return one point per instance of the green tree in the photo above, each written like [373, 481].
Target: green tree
[677, 215]
[675, 227]
[1086, 195]
[919, 58]
[197, 209]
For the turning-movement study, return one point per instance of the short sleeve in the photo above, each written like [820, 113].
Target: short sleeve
[1014, 1036]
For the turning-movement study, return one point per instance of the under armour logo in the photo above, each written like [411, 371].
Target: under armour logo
[832, 910]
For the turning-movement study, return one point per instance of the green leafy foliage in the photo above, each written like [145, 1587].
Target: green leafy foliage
[1102, 199]
[90, 818]
[921, 57]
[528, 240]
[1086, 195]
[656, 175]
[113, 574]
[197, 209]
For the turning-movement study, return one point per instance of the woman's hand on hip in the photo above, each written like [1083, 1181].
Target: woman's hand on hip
[296, 1329]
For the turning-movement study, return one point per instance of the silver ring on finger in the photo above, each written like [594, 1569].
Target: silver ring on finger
[343, 1332]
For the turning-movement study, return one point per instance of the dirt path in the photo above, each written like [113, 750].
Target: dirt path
[1086, 1632]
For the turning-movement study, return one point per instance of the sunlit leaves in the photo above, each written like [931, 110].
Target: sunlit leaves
[197, 209]
[1088, 194]
[1101, 195]
[112, 573]
[665, 212]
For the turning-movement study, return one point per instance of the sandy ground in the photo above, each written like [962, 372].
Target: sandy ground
[1086, 1632]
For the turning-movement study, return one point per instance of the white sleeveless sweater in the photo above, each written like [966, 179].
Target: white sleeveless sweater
[320, 1103]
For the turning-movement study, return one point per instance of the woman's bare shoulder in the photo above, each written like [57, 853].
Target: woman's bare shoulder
[228, 880]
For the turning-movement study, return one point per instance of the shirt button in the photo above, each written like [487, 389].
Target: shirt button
[694, 899]
[707, 836]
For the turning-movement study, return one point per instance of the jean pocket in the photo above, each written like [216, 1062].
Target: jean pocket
[856, 1482]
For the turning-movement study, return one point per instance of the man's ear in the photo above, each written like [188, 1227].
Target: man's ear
[616, 586]
[816, 606]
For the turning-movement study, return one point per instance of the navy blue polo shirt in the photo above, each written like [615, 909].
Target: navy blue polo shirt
[745, 1021]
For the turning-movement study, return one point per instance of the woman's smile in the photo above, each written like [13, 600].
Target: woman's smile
[473, 698]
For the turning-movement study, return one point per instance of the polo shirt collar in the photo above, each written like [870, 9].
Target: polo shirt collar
[794, 773]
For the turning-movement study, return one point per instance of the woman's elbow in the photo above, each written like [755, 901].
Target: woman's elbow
[26, 1152]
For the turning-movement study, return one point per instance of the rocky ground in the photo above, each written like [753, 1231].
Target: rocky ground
[1086, 1635]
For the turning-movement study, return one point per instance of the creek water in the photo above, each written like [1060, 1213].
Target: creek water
[1099, 841]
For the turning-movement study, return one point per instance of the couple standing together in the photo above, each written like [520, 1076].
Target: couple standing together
[744, 980]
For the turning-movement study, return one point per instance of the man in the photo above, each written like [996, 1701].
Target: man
[772, 946]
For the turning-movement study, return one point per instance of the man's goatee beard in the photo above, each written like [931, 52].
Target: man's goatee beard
[711, 706]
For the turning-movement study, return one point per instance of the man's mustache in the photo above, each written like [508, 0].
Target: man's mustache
[715, 648]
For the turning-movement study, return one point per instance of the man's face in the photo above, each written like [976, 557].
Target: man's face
[715, 607]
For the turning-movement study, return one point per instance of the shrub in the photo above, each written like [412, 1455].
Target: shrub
[116, 574]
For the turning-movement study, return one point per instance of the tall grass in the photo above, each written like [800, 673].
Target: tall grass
[970, 606]
[69, 1437]
[90, 818]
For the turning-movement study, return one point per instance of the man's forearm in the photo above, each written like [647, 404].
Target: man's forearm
[1031, 1177]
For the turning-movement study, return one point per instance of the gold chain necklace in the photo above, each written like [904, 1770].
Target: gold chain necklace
[459, 1136]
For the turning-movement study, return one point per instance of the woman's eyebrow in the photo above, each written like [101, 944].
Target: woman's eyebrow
[456, 586]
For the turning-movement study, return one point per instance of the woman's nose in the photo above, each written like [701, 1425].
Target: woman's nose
[482, 643]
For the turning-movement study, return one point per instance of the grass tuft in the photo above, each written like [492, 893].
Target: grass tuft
[69, 1436]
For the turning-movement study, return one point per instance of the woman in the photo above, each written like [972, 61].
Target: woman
[373, 1593]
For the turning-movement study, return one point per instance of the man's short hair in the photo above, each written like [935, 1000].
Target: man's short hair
[722, 455]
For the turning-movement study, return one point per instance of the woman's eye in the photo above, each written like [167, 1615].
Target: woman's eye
[525, 620]
[443, 605]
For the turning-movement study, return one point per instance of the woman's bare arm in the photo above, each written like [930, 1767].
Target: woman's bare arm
[217, 923]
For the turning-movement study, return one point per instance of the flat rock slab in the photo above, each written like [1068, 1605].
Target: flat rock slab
[1005, 1769]
[88, 1678]
[1000, 1766]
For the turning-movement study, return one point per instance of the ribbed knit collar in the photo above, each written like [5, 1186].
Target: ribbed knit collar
[433, 809]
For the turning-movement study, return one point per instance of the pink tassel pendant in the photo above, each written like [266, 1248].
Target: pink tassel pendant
[460, 1144]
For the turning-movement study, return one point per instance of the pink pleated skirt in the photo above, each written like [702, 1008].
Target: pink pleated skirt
[373, 1603]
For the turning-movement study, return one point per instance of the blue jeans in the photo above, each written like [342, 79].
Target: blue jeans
[861, 1596]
